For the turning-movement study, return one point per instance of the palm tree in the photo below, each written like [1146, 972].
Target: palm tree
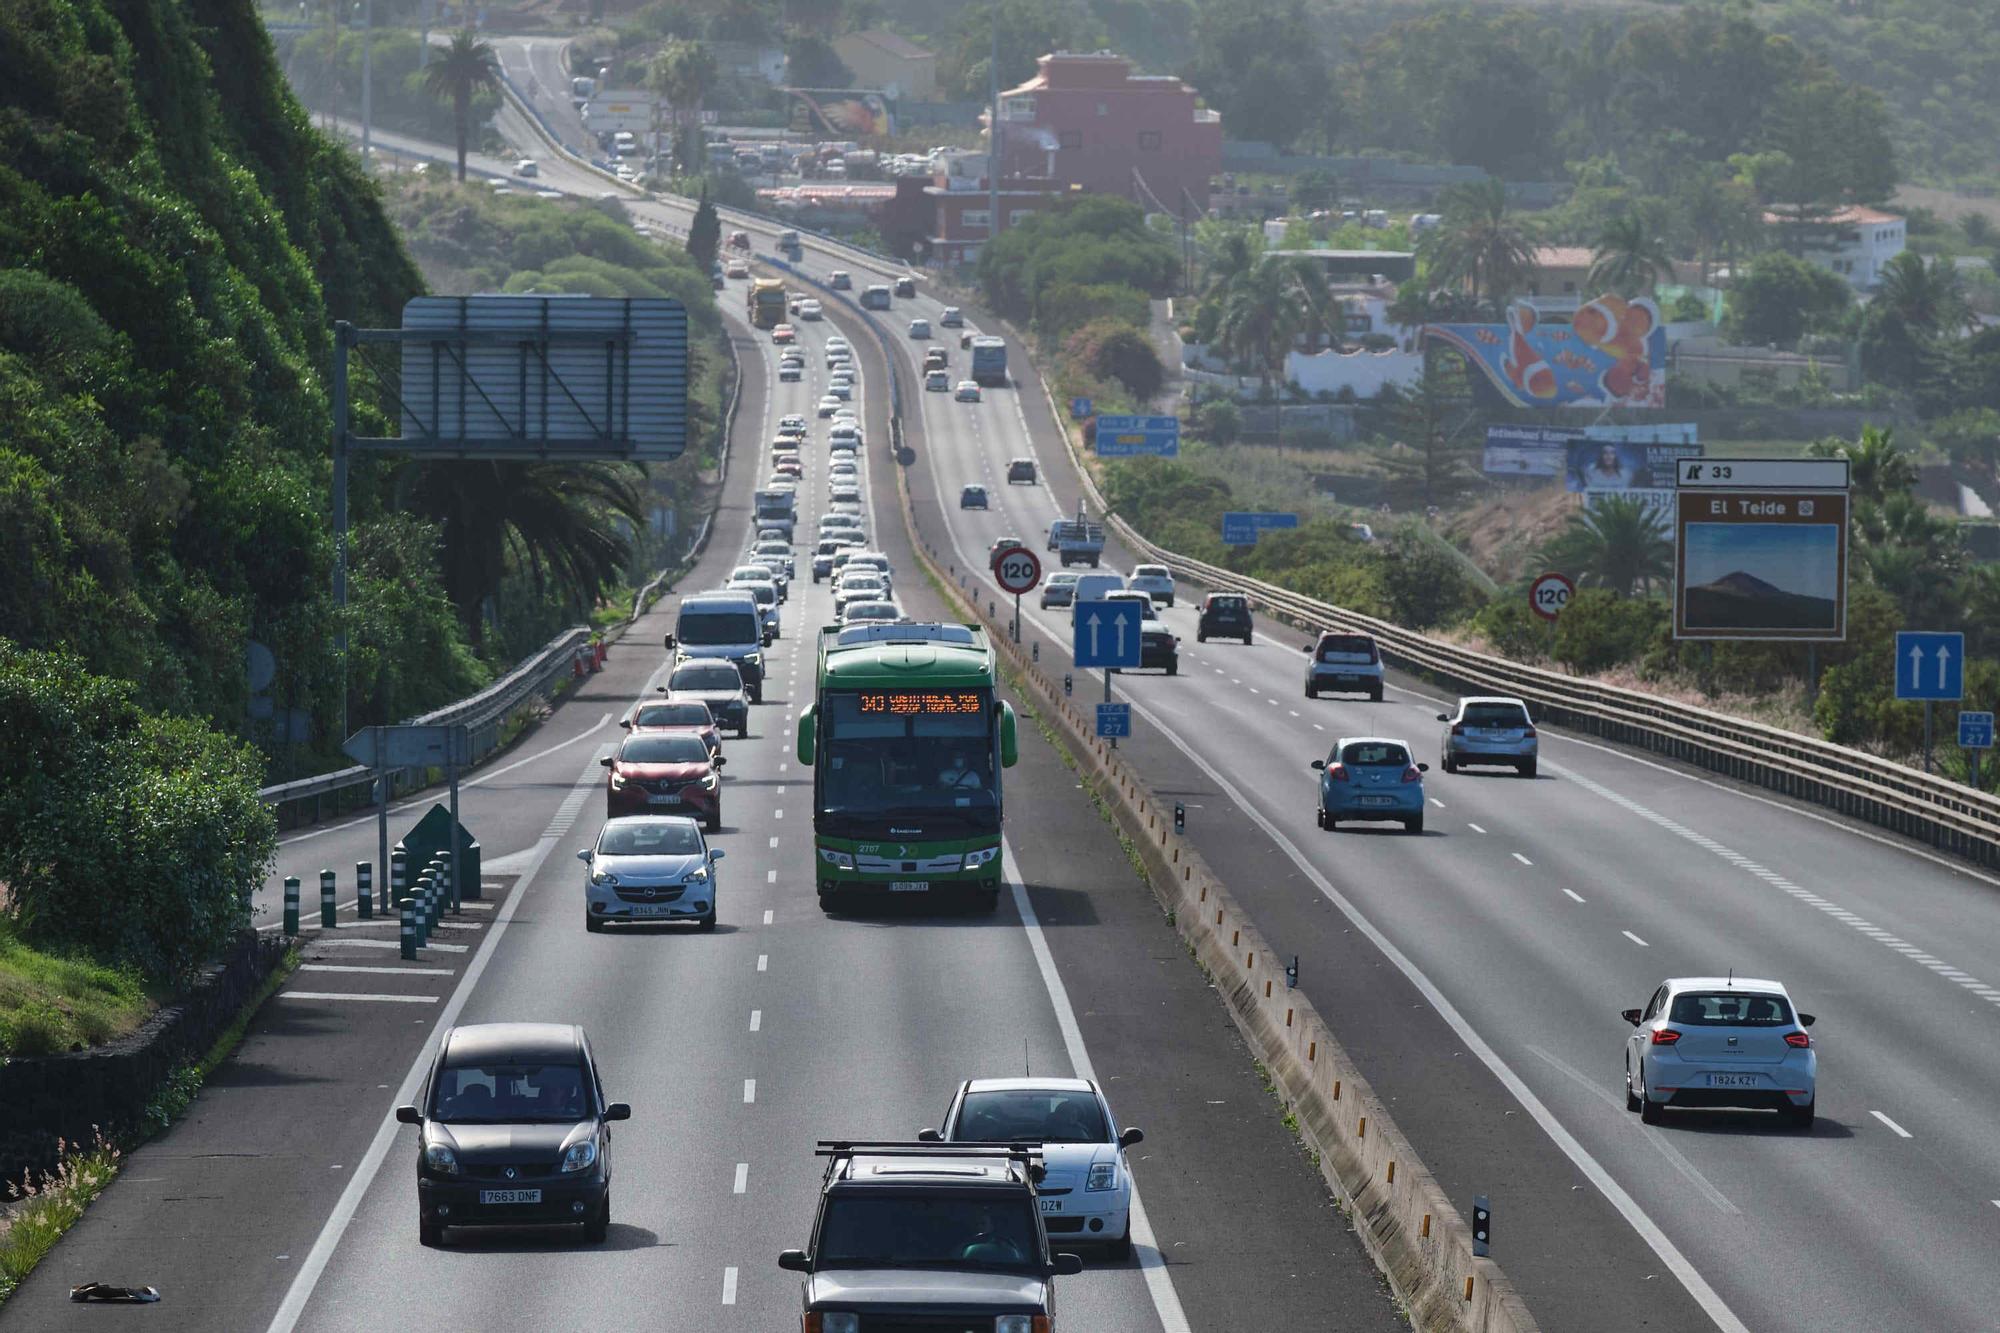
[467, 67]
[1629, 259]
[1234, 252]
[1480, 245]
[1978, 229]
[1260, 317]
[1930, 297]
[684, 73]
[556, 520]
[1877, 467]
[1618, 542]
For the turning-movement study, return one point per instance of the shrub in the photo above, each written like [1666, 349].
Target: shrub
[1425, 584]
[1112, 349]
[1600, 629]
[1512, 628]
[1222, 422]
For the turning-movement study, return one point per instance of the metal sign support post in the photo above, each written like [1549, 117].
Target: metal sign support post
[382, 815]
[1017, 617]
[1107, 699]
[457, 834]
[343, 338]
[1927, 735]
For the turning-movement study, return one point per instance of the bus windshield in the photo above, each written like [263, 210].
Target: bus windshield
[912, 755]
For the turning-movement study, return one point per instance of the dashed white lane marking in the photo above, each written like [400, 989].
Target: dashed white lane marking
[756, 1020]
[783, 767]
[1573, 895]
[403, 971]
[769, 913]
[1894, 1128]
[742, 1180]
[1436, 802]
[729, 1286]
[777, 814]
[749, 1091]
[347, 995]
[1475, 828]
[763, 962]
[1635, 939]
[774, 840]
[1293, 711]
[770, 877]
[1522, 859]
[1777, 881]
[1318, 727]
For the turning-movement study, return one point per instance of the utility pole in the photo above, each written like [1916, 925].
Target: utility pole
[993, 137]
[367, 73]
[423, 37]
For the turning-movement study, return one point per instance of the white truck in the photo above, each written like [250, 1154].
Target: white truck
[1078, 541]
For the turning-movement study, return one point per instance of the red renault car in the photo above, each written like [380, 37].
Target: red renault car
[665, 773]
[666, 717]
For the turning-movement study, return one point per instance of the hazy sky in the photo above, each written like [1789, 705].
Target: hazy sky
[1796, 557]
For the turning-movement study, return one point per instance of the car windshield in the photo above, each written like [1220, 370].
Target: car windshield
[692, 713]
[696, 628]
[710, 676]
[1495, 715]
[1375, 754]
[649, 837]
[1150, 572]
[1230, 605]
[1041, 1115]
[872, 611]
[1730, 1009]
[927, 1230]
[496, 1093]
[663, 750]
[762, 591]
[1347, 648]
[1140, 600]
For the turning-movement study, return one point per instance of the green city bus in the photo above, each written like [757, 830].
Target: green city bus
[906, 743]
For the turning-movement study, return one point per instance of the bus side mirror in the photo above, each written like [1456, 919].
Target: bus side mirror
[808, 739]
[1009, 749]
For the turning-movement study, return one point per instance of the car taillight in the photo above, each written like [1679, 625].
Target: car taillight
[1527, 733]
[1458, 729]
[1410, 774]
[1798, 1039]
[1338, 772]
[1665, 1037]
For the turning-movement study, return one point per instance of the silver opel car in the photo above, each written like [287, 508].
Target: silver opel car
[649, 868]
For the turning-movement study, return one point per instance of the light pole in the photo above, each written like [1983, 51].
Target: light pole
[367, 73]
[993, 138]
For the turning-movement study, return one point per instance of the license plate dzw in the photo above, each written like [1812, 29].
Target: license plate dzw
[1051, 1205]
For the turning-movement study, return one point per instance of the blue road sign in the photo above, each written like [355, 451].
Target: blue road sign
[1107, 633]
[1124, 436]
[1079, 408]
[1930, 664]
[1114, 721]
[1241, 529]
[1975, 731]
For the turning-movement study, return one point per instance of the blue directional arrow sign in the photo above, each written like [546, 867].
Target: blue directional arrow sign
[1975, 731]
[1114, 721]
[1930, 664]
[1079, 408]
[1241, 529]
[1124, 436]
[1107, 633]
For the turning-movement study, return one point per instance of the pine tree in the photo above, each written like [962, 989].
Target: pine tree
[704, 239]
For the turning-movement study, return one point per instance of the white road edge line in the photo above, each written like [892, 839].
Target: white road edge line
[356, 995]
[1152, 1264]
[344, 1209]
[1894, 1128]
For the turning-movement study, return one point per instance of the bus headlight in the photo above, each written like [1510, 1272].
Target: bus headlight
[837, 859]
[983, 857]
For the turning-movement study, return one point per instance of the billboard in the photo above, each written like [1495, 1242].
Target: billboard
[1596, 463]
[618, 109]
[1612, 353]
[845, 113]
[1760, 565]
[1527, 451]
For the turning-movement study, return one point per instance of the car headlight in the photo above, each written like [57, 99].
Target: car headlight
[698, 875]
[581, 1156]
[604, 877]
[1017, 1323]
[618, 781]
[840, 1323]
[710, 782]
[754, 659]
[837, 859]
[440, 1158]
[984, 856]
[1103, 1176]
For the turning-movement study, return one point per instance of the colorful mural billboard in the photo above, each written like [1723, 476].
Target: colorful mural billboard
[1612, 353]
[842, 112]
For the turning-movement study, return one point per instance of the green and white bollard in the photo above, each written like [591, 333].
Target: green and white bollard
[446, 890]
[328, 908]
[364, 891]
[422, 904]
[291, 904]
[399, 877]
[409, 929]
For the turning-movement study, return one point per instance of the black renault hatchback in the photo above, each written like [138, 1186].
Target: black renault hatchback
[514, 1131]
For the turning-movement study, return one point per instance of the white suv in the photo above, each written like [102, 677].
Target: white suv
[1156, 581]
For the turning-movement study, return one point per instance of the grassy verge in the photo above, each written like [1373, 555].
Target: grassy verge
[50, 1003]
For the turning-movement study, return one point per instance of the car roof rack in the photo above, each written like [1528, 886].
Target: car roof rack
[1025, 1152]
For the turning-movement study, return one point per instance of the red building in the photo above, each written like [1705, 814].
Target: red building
[1089, 123]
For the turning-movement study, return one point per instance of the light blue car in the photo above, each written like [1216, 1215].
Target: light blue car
[1371, 778]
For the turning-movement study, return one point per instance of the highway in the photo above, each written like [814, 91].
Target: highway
[285, 1200]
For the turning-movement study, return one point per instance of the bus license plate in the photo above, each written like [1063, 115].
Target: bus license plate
[909, 886]
[1735, 1080]
[510, 1196]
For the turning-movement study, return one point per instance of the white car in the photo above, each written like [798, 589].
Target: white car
[844, 437]
[967, 391]
[937, 382]
[841, 388]
[952, 318]
[526, 167]
[1087, 1192]
[828, 405]
[777, 554]
[759, 571]
[920, 328]
[1721, 1041]
[861, 586]
[649, 866]
[792, 424]
[836, 343]
[810, 309]
[790, 372]
[1059, 590]
[1156, 581]
[840, 280]
[844, 494]
[871, 613]
[1148, 613]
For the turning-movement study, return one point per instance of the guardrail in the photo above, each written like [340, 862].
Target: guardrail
[482, 714]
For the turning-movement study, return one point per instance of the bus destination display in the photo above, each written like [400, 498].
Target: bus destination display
[919, 703]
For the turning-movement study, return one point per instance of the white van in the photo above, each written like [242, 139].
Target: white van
[1093, 587]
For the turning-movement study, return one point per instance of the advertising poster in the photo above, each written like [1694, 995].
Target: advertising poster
[1528, 451]
[1612, 353]
[1760, 565]
[843, 112]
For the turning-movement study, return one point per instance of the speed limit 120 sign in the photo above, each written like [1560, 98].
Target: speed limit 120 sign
[1017, 570]
[1549, 594]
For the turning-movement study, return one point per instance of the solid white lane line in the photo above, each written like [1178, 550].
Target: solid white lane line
[347, 943]
[1895, 1128]
[1152, 1264]
[1522, 859]
[299, 1294]
[729, 1286]
[1573, 895]
[1475, 828]
[405, 971]
[346, 995]
[1635, 939]
[763, 962]
[742, 1181]
[756, 1020]
[749, 1091]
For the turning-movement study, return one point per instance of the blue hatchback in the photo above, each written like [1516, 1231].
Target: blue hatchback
[1372, 778]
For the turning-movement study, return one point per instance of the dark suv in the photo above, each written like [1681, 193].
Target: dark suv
[1021, 469]
[1224, 615]
[514, 1130]
[929, 1235]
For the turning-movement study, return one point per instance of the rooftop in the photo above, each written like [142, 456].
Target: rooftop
[890, 43]
[1564, 256]
[1854, 215]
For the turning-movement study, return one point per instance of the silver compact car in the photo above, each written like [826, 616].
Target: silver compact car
[1721, 1041]
[1489, 730]
[649, 868]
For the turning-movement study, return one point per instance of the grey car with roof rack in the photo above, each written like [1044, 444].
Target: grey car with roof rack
[929, 1236]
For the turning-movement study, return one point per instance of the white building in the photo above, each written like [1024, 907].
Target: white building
[1855, 243]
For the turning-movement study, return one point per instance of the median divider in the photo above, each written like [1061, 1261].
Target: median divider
[1418, 1239]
